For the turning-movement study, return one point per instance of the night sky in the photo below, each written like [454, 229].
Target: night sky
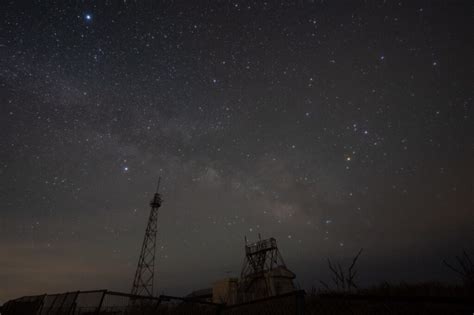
[329, 125]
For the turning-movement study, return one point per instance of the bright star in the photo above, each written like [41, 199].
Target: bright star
[88, 17]
[125, 168]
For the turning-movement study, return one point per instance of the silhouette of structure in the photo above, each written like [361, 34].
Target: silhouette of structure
[264, 273]
[145, 274]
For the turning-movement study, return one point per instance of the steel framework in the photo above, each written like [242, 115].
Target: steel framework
[145, 273]
[261, 259]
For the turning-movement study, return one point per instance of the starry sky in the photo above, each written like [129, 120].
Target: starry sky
[329, 125]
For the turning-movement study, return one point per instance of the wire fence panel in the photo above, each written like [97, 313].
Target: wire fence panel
[48, 303]
[24, 305]
[56, 307]
[68, 304]
[87, 303]
[103, 302]
[120, 303]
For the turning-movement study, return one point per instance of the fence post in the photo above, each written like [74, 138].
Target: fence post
[52, 304]
[100, 303]
[40, 309]
[73, 304]
[62, 303]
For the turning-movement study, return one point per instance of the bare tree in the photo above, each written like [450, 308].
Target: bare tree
[464, 268]
[343, 280]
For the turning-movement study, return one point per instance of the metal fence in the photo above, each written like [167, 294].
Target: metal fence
[109, 302]
[82, 303]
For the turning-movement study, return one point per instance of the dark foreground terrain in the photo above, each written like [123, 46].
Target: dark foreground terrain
[385, 299]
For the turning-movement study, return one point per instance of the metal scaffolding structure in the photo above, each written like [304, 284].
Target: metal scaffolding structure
[264, 273]
[145, 273]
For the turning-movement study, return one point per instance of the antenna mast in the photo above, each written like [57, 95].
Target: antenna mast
[145, 274]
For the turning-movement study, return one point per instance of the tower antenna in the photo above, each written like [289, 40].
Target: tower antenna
[145, 273]
[158, 186]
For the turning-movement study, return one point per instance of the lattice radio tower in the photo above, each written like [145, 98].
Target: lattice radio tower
[145, 274]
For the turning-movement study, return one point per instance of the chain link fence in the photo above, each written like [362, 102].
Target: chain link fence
[109, 302]
[82, 303]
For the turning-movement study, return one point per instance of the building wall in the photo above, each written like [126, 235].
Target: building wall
[274, 282]
[225, 291]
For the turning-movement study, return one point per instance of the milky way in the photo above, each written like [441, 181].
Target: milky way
[328, 125]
